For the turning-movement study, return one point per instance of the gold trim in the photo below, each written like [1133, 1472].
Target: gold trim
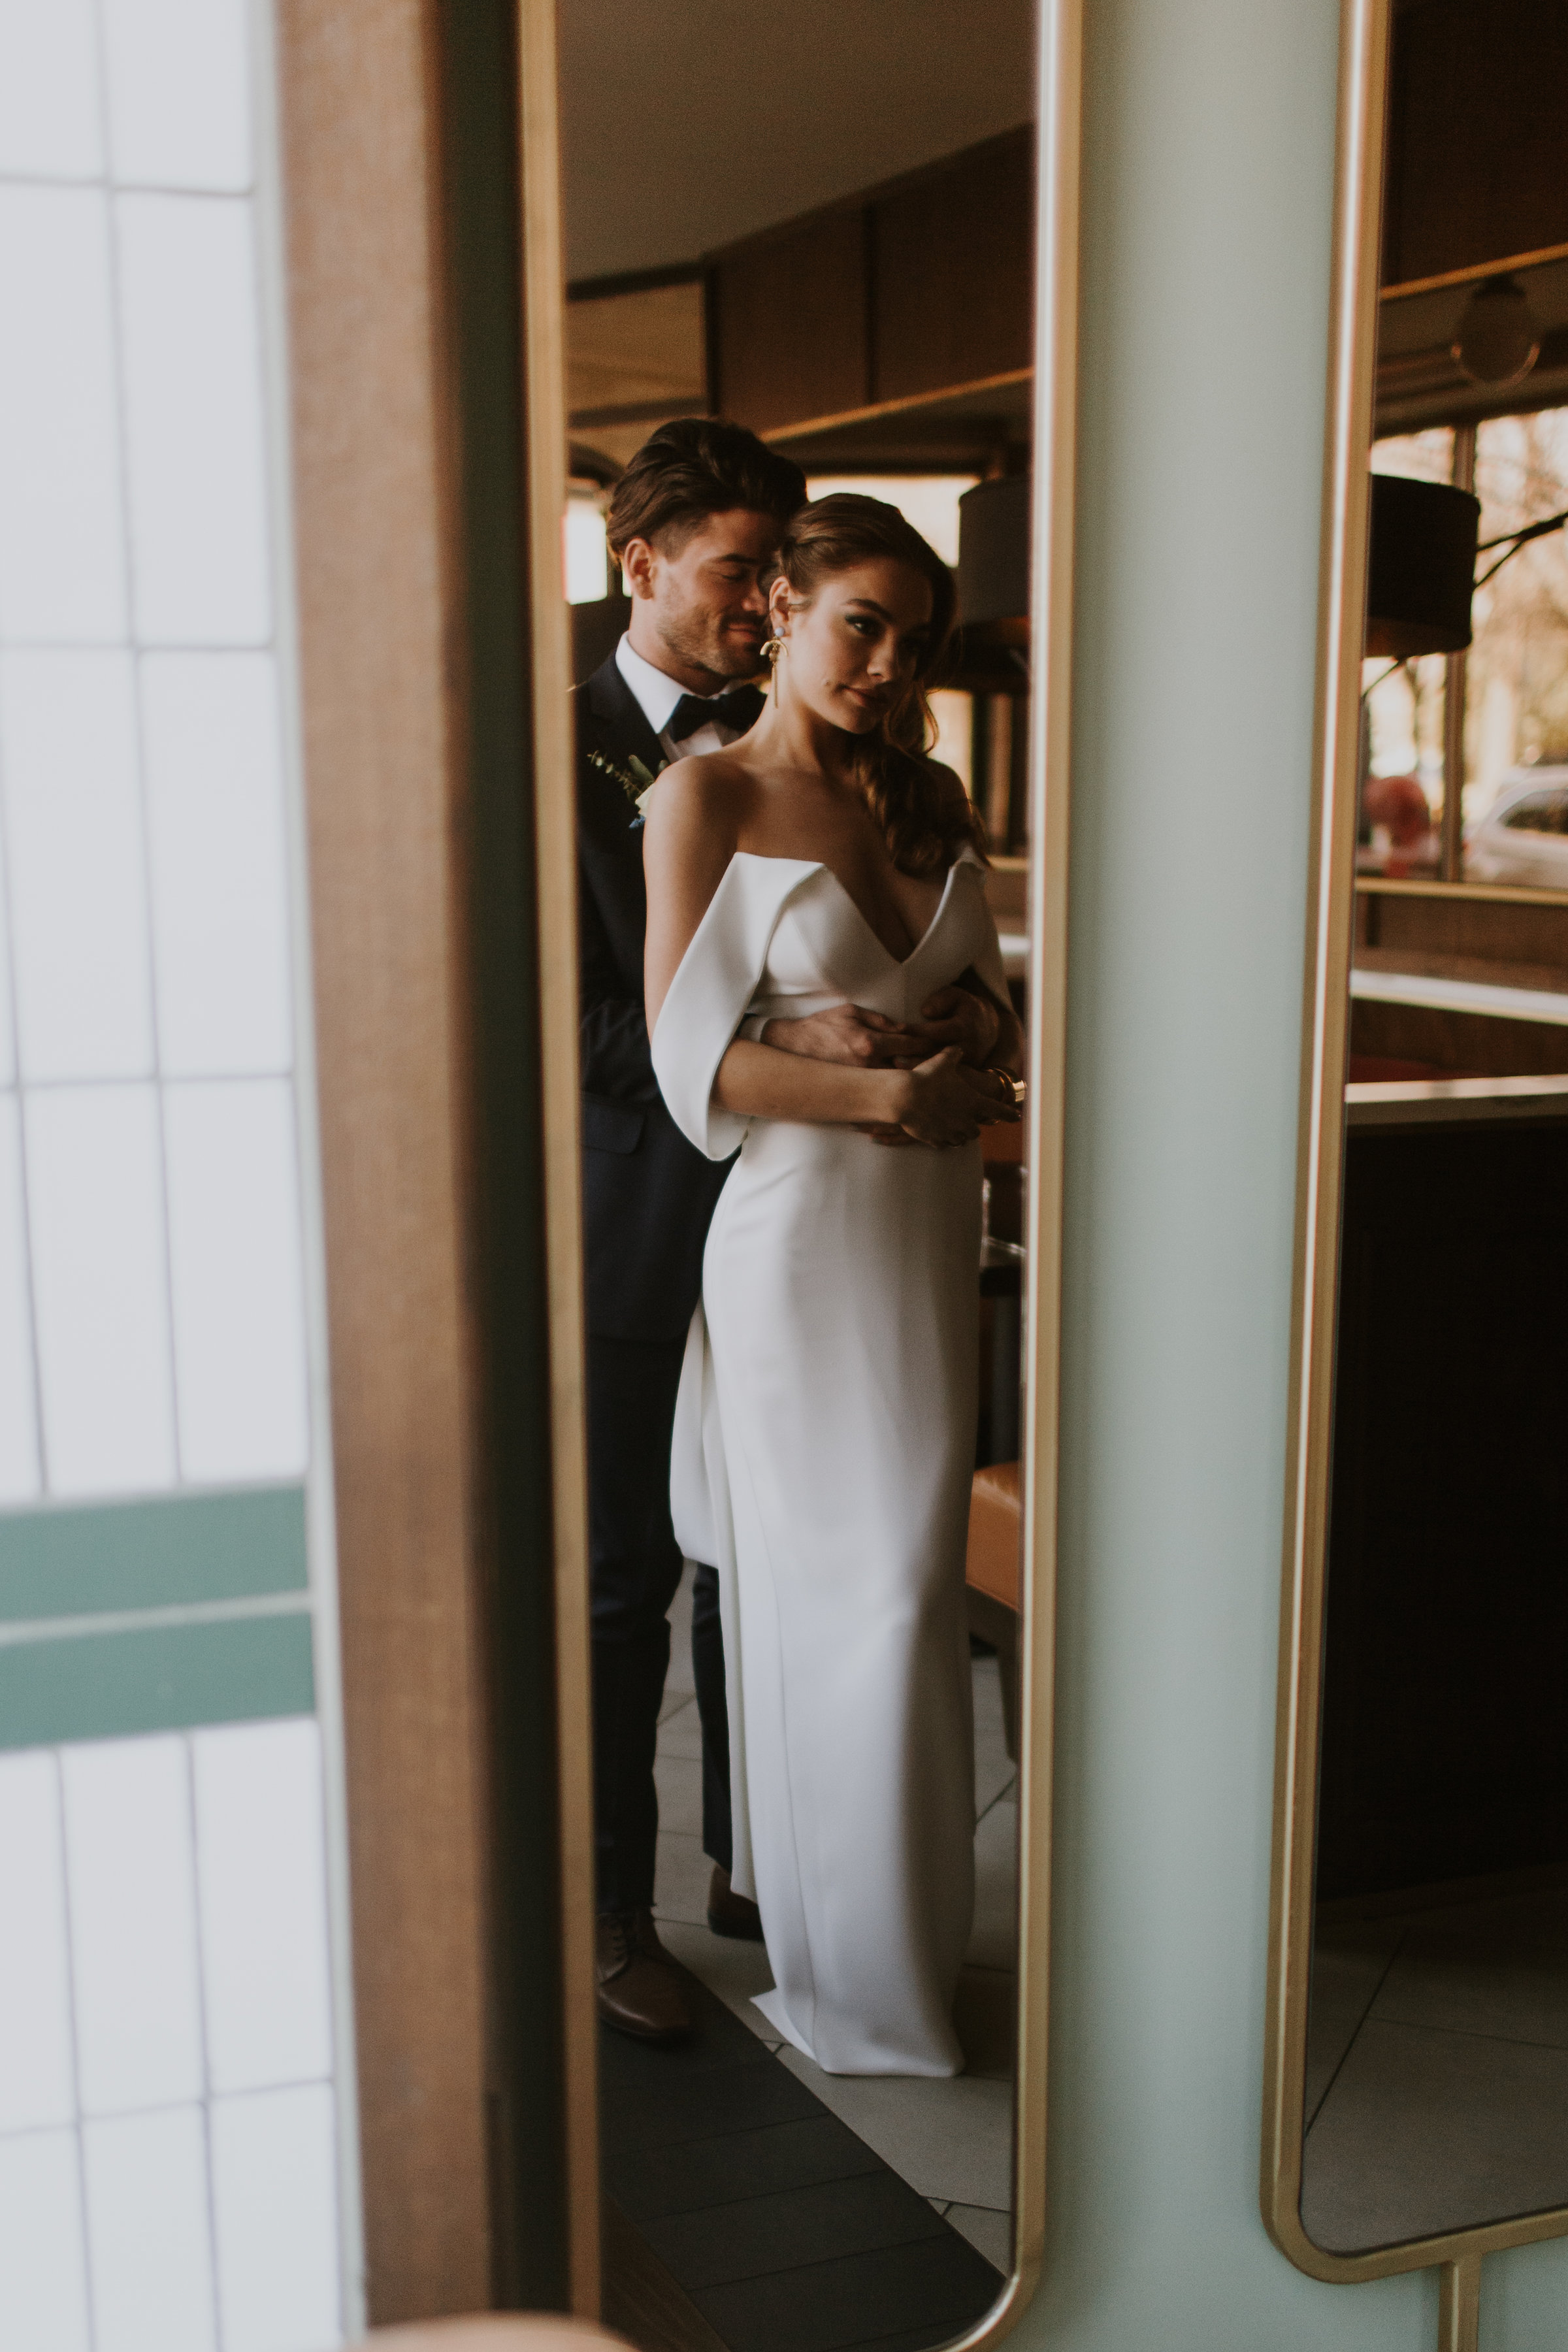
[1473, 274]
[1459, 2305]
[544, 365]
[1050, 783]
[1051, 755]
[907, 405]
[1363, 60]
[1502, 894]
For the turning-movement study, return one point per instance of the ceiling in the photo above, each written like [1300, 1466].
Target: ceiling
[686, 127]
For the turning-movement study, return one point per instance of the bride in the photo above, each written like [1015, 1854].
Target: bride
[825, 1436]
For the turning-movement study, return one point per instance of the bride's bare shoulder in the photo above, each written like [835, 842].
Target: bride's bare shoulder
[708, 794]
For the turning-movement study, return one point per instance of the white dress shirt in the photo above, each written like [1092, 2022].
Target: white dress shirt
[658, 696]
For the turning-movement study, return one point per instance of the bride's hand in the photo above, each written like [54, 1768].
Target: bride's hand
[948, 1103]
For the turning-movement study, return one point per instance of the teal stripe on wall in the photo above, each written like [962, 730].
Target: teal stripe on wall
[156, 1554]
[168, 1678]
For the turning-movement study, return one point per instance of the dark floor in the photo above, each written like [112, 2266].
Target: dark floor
[1437, 2070]
[781, 2229]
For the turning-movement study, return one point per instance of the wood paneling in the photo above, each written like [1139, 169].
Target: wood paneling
[787, 324]
[1458, 1044]
[400, 141]
[1468, 935]
[921, 286]
[953, 268]
[1478, 97]
[383, 773]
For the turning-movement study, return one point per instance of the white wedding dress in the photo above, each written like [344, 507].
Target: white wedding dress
[824, 1448]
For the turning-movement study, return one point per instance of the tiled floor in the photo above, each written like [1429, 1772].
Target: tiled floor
[1437, 2071]
[950, 2140]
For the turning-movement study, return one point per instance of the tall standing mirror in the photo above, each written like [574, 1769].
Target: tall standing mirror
[817, 362]
[1418, 2061]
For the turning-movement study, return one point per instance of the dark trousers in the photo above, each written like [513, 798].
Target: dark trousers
[635, 1569]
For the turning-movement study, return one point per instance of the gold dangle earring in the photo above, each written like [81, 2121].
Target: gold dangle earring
[771, 653]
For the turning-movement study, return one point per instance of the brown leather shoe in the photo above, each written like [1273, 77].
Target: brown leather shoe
[729, 1913]
[640, 1991]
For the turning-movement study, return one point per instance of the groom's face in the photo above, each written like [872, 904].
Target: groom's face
[698, 611]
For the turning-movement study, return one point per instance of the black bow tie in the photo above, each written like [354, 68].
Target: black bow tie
[739, 711]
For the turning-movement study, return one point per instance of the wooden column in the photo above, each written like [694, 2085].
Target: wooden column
[404, 261]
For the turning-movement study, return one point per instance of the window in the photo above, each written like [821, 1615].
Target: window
[585, 558]
[1513, 684]
[1402, 805]
[1516, 674]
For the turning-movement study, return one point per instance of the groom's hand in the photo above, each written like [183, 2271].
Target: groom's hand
[955, 1016]
[846, 1032]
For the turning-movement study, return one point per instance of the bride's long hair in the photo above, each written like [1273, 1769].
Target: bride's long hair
[922, 825]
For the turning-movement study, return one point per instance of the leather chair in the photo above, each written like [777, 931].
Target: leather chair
[992, 1572]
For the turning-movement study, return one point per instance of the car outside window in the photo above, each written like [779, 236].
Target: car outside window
[1543, 813]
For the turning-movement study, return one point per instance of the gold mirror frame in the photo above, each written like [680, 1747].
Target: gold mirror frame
[1358, 187]
[1059, 117]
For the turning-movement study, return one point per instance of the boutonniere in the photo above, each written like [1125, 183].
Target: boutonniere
[637, 780]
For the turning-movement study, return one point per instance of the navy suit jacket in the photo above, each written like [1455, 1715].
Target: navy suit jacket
[647, 1194]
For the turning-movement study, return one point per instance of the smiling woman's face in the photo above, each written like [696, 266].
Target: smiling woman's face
[854, 648]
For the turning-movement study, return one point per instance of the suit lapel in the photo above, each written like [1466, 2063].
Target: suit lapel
[618, 716]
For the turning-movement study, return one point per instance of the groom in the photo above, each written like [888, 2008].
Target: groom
[694, 523]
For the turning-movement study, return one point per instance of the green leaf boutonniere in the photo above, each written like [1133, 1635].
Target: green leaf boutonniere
[635, 779]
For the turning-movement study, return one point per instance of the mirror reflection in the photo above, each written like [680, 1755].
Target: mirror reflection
[800, 355]
[1436, 2065]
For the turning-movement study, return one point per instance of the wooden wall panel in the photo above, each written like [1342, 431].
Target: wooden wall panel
[953, 265]
[1478, 97]
[383, 775]
[788, 325]
[401, 153]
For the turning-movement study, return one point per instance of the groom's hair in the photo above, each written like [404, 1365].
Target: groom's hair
[691, 468]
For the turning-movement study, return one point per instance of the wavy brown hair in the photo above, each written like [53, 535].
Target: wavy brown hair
[690, 469]
[922, 823]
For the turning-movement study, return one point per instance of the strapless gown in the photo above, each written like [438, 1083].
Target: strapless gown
[824, 1448]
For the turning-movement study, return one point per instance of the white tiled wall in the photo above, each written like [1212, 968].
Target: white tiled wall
[19, 1426]
[145, 1013]
[167, 2127]
[42, 2255]
[171, 2149]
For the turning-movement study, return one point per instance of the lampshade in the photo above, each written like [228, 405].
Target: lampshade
[1420, 568]
[993, 562]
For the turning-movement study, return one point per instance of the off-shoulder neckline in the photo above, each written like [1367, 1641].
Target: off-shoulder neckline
[820, 866]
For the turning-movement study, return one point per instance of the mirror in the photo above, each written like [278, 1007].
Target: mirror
[1419, 2066]
[812, 1623]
